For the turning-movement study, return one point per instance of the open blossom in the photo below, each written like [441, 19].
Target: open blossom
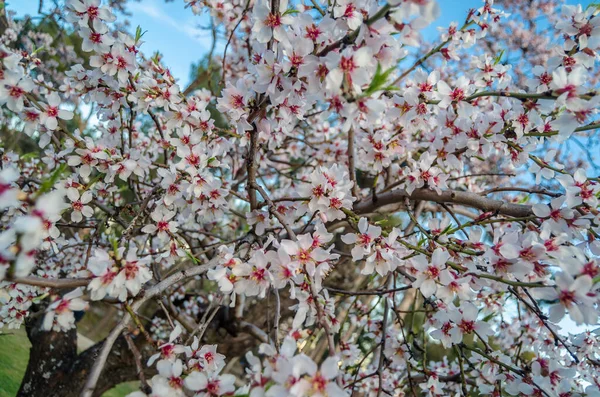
[318, 382]
[458, 322]
[254, 275]
[364, 240]
[87, 158]
[133, 273]
[574, 295]
[270, 23]
[97, 40]
[305, 253]
[164, 227]
[90, 11]
[79, 203]
[13, 89]
[328, 191]
[105, 271]
[432, 271]
[211, 385]
[59, 315]
[352, 69]
[49, 117]
[349, 10]
[456, 95]
[119, 62]
[568, 85]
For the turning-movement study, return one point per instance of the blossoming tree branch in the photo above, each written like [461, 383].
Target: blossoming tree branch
[333, 207]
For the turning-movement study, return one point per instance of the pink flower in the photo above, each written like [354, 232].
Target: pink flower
[59, 315]
[270, 23]
[78, 204]
[430, 272]
[51, 112]
[352, 69]
[364, 240]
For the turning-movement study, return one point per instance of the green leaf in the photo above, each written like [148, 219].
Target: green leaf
[40, 298]
[489, 317]
[192, 257]
[593, 5]
[291, 11]
[115, 244]
[29, 156]
[139, 34]
[36, 50]
[379, 80]
[447, 229]
[499, 57]
[94, 180]
[49, 183]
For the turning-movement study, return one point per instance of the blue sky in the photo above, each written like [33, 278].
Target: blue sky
[176, 32]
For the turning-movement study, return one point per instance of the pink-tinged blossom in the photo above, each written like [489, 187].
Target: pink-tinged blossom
[573, 295]
[364, 240]
[59, 314]
[49, 117]
[79, 207]
[431, 271]
[316, 381]
[350, 12]
[163, 226]
[352, 70]
[13, 89]
[269, 23]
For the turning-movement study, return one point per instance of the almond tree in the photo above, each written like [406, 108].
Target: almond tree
[332, 207]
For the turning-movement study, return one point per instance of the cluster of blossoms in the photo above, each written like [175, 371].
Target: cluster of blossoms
[375, 214]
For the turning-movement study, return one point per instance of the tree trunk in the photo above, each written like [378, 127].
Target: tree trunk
[55, 369]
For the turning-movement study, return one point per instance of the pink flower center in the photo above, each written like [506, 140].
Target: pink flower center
[467, 326]
[303, 256]
[273, 20]
[457, 94]
[312, 32]
[364, 239]
[176, 382]
[4, 187]
[350, 10]
[121, 63]
[566, 297]
[193, 159]
[62, 307]
[131, 270]
[347, 64]
[433, 271]
[319, 383]
[52, 111]
[95, 37]
[92, 12]
[318, 191]
[213, 387]
[16, 91]
[77, 206]
[335, 202]
[237, 101]
[258, 274]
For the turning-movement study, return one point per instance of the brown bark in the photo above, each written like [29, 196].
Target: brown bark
[55, 369]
